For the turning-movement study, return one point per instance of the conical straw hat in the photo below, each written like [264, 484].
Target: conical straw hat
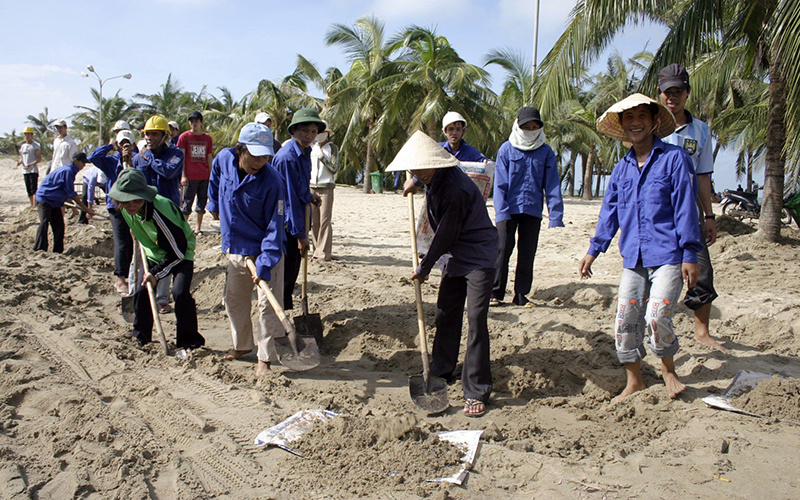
[421, 152]
[609, 124]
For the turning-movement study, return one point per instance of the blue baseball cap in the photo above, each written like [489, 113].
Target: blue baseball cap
[257, 138]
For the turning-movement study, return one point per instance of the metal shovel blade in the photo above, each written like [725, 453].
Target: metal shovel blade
[306, 357]
[128, 309]
[309, 325]
[430, 397]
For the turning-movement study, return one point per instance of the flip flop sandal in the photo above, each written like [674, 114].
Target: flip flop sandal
[121, 289]
[470, 405]
[495, 302]
[164, 309]
[529, 305]
[233, 354]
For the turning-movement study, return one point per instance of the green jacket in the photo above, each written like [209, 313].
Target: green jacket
[164, 233]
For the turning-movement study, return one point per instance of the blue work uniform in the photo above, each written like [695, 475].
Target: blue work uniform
[58, 186]
[653, 207]
[162, 171]
[251, 210]
[465, 152]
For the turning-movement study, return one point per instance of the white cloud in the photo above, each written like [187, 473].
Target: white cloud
[31, 71]
[28, 88]
[416, 10]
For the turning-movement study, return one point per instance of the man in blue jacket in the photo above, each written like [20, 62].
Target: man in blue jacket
[650, 199]
[55, 189]
[247, 196]
[162, 165]
[526, 174]
[454, 126]
[293, 162]
[111, 165]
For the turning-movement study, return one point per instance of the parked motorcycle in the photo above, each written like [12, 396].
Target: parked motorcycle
[741, 204]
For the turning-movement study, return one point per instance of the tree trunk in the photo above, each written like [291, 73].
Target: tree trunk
[769, 224]
[749, 171]
[587, 175]
[599, 170]
[369, 161]
[573, 157]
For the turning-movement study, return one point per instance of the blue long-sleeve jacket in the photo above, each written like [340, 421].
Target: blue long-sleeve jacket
[465, 152]
[294, 165]
[58, 186]
[162, 171]
[522, 180]
[653, 207]
[251, 211]
[110, 165]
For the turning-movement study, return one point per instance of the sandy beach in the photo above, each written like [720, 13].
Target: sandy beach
[87, 413]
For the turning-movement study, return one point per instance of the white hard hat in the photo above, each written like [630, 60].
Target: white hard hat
[452, 117]
[121, 125]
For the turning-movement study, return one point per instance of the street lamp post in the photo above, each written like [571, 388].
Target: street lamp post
[101, 81]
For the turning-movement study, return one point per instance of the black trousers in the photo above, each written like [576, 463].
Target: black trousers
[703, 291]
[293, 259]
[527, 226]
[50, 216]
[185, 310]
[475, 289]
[123, 243]
[31, 183]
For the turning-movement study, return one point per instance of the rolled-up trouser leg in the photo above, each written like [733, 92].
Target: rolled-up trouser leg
[629, 323]
[666, 283]
[703, 291]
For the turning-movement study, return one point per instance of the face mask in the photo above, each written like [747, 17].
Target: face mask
[531, 135]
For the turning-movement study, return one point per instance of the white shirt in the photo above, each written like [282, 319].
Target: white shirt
[63, 149]
[695, 139]
[28, 154]
[324, 164]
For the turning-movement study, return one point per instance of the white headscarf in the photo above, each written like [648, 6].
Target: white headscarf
[526, 140]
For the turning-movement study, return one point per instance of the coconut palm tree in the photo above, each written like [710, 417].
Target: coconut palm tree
[767, 32]
[171, 101]
[41, 124]
[85, 122]
[360, 101]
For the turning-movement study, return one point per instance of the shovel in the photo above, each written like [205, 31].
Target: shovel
[429, 393]
[151, 292]
[307, 325]
[296, 353]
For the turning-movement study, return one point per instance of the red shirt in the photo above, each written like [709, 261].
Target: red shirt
[197, 149]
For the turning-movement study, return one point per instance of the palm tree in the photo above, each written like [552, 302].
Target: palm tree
[85, 123]
[767, 32]
[171, 102]
[432, 79]
[360, 99]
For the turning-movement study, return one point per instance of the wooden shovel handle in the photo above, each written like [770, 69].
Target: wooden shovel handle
[423, 340]
[287, 325]
[151, 293]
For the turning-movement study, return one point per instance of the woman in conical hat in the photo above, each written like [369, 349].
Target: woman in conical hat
[464, 233]
[650, 199]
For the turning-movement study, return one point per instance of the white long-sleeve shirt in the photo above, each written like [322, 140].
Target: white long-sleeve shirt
[324, 165]
[63, 149]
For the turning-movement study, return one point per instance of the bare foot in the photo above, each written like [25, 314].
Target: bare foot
[631, 388]
[711, 342]
[262, 368]
[674, 386]
[233, 354]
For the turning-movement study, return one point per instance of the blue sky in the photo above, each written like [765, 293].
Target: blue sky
[234, 44]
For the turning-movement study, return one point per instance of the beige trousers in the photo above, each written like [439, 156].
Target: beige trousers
[321, 229]
[238, 295]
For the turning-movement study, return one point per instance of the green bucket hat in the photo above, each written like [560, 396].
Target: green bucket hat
[131, 185]
[307, 115]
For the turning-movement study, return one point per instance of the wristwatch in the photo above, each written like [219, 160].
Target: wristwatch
[711, 217]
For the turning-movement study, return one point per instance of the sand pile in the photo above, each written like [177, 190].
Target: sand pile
[357, 454]
[87, 413]
[775, 397]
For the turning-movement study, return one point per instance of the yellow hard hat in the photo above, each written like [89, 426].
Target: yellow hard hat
[156, 123]
[28, 130]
